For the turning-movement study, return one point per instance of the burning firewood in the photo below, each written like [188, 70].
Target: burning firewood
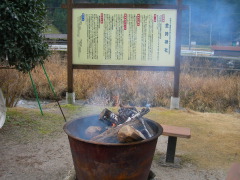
[125, 112]
[110, 135]
[109, 117]
[125, 127]
[125, 115]
[129, 134]
[143, 127]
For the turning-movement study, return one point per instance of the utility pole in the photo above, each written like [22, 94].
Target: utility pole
[210, 37]
[189, 27]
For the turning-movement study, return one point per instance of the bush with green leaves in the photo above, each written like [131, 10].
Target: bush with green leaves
[21, 25]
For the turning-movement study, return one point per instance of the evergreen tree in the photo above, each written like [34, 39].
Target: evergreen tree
[21, 25]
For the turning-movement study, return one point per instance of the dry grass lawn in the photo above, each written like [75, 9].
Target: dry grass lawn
[215, 141]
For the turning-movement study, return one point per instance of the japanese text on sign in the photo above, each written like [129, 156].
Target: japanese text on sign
[141, 37]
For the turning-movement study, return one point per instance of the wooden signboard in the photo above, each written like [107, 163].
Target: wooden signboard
[137, 37]
[124, 36]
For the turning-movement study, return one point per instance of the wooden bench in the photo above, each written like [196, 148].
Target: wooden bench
[174, 132]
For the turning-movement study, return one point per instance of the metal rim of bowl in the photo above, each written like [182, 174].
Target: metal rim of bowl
[159, 127]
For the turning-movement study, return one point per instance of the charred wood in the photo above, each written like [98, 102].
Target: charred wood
[109, 117]
[125, 114]
[111, 135]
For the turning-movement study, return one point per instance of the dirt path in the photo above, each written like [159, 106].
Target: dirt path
[48, 159]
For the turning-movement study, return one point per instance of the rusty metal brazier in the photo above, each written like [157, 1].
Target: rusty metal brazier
[110, 161]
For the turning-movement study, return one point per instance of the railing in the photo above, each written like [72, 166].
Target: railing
[58, 47]
[197, 53]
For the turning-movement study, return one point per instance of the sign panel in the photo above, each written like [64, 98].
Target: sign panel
[136, 37]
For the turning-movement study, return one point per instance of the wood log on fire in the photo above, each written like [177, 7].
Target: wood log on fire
[111, 135]
[125, 114]
[128, 134]
[109, 117]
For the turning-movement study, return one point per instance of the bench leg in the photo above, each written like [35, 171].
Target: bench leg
[171, 148]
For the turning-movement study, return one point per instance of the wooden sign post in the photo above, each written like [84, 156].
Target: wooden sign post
[124, 37]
